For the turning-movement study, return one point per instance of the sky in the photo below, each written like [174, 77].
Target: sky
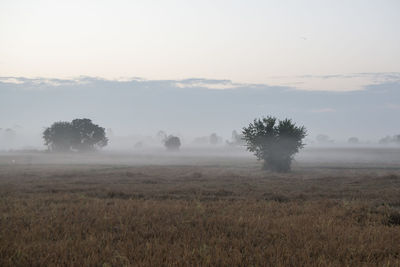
[310, 45]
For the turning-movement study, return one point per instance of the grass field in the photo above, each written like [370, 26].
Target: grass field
[121, 210]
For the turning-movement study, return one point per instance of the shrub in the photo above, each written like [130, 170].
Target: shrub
[172, 143]
[274, 142]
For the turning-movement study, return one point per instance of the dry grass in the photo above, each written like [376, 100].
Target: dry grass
[99, 215]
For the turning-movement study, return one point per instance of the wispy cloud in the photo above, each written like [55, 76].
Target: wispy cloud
[336, 82]
[10, 80]
[38, 83]
[205, 83]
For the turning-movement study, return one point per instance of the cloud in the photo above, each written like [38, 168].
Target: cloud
[206, 83]
[30, 83]
[336, 82]
[42, 83]
[10, 80]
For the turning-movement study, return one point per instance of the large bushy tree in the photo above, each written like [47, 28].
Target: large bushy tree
[274, 142]
[59, 136]
[78, 135]
[88, 135]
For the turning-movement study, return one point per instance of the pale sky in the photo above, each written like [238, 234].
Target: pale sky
[272, 42]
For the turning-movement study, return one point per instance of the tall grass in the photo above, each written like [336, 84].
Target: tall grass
[161, 216]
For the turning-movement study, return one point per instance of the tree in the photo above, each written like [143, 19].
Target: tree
[59, 136]
[88, 136]
[274, 143]
[324, 139]
[390, 140]
[237, 139]
[353, 140]
[161, 135]
[79, 135]
[172, 143]
[386, 140]
[215, 139]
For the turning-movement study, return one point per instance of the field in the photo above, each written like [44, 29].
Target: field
[338, 207]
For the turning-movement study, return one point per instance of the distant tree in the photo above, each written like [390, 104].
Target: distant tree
[236, 140]
[274, 143]
[385, 140]
[324, 139]
[138, 145]
[161, 135]
[9, 134]
[79, 135]
[172, 143]
[390, 140]
[353, 140]
[215, 139]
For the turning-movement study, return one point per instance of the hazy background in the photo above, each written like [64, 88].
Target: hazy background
[333, 66]
[194, 108]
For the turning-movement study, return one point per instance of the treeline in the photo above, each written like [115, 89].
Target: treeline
[390, 140]
[275, 142]
[272, 141]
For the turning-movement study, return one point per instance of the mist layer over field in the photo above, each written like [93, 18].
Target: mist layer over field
[136, 110]
[347, 158]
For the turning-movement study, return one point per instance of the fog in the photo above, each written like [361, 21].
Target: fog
[135, 111]
[19, 147]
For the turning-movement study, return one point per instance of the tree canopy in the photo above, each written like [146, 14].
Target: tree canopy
[172, 143]
[78, 135]
[274, 141]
